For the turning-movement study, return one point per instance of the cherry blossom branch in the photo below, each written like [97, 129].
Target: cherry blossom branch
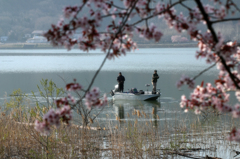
[206, 18]
[79, 10]
[112, 4]
[232, 3]
[154, 15]
[209, 25]
[98, 114]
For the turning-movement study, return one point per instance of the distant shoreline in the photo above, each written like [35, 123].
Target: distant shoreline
[48, 46]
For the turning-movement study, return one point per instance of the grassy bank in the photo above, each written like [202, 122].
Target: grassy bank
[126, 139]
[48, 46]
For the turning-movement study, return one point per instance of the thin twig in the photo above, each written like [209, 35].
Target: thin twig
[225, 20]
[200, 73]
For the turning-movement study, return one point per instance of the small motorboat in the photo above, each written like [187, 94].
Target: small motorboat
[134, 94]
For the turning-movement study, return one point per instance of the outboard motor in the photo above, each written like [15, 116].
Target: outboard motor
[112, 93]
[116, 88]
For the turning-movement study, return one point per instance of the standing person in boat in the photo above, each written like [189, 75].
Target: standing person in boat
[155, 77]
[120, 80]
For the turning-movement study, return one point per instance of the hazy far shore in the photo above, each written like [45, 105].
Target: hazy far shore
[48, 46]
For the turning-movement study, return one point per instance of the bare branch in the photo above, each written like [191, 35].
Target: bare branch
[203, 71]
[226, 20]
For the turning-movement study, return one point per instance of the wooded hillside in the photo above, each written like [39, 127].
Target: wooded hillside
[20, 17]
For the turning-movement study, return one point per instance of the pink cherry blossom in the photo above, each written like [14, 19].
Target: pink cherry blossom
[52, 118]
[185, 80]
[234, 135]
[42, 128]
[151, 33]
[179, 39]
[92, 99]
[73, 87]
[70, 11]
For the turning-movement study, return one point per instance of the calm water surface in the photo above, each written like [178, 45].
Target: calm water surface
[177, 60]
[25, 68]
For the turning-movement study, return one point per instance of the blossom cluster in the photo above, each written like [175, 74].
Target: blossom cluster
[179, 39]
[62, 34]
[218, 13]
[73, 87]
[70, 11]
[92, 99]
[203, 97]
[63, 112]
[186, 80]
[151, 33]
[52, 118]
[212, 48]
[234, 135]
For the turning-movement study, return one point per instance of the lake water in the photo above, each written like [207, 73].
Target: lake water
[25, 68]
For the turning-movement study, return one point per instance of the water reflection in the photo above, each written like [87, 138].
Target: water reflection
[127, 107]
[137, 104]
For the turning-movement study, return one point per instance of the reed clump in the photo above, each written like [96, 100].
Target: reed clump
[136, 138]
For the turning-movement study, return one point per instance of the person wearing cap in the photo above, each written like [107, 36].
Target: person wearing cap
[155, 77]
[120, 80]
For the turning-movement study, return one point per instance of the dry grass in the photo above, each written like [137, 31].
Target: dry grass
[127, 139]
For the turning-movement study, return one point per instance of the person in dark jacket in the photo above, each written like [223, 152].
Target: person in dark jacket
[155, 77]
[120, 80]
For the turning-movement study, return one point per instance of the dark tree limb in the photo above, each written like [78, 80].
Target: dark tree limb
[210, 27]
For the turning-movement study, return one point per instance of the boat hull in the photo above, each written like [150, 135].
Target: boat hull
[131, 96]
